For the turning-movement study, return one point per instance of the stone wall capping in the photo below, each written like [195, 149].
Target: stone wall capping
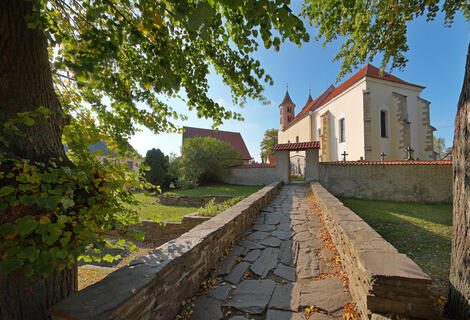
[381, 280]
[392, 265]
[152, 286]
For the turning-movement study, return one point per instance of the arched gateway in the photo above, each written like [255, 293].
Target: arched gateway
[311, 159]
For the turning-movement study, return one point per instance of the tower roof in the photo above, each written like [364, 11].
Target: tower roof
[309, 99]
[287, 98]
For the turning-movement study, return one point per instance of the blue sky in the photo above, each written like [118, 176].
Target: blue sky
[436, 61]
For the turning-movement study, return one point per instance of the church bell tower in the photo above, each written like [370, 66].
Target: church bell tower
[287, 110]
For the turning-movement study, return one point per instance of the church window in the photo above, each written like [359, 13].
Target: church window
[383, 124]
[297, 139]
[342, 133]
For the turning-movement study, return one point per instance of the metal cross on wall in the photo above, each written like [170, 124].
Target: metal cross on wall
[382, 156]
[409, 151]
[344, 154]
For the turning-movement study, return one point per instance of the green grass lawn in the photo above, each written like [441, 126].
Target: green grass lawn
[150, 210]
[219, 189]
[296, 177]
[421, 231]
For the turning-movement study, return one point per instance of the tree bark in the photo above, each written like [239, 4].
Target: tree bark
[458, 304]
[26, 84]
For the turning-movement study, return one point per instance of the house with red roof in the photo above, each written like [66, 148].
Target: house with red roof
[233, 138]
[371, 116]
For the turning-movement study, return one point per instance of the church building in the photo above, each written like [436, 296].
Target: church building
[370, 117]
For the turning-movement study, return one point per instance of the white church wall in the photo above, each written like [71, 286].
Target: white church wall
[350, 105]
[381, 95]
[301, 129]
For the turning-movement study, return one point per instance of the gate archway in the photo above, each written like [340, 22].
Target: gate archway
[311, 159]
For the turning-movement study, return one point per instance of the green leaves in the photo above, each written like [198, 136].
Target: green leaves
[73, 206]
[6, 190]
[371, 27]
[205, 159]
[25, 225]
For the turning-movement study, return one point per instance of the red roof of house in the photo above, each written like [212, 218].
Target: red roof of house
[332, 92]
[272, 159]
[398, 162]
[297, 146]
[233, 138]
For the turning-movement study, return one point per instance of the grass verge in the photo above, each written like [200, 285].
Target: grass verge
[149, 209]
[219, 189]
[421, 231]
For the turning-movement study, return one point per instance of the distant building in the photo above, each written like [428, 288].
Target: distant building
[132, 164]
[448, 155]
[272, 159]
[233, 138]
[368, 117]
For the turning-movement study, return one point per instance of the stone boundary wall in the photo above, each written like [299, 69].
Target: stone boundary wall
[153, 286]
[381, 280]
[405, 181]
[253, 175]
[190, 201]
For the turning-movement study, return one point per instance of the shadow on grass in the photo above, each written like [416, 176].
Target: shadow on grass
[421, 231]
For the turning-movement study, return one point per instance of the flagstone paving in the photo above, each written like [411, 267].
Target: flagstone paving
[276, 271]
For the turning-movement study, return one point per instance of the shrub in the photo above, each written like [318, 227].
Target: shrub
[204, 160]
[211, 209]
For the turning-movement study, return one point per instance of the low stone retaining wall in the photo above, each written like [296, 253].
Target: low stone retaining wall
[190, 201]
[153, 286]
[415, 181]
[381, 280]
[163, 232]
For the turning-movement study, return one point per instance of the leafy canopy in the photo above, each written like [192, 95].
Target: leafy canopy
[374, 27]
[116, 54]
[114, 64]
[268, 143]
[206, 159]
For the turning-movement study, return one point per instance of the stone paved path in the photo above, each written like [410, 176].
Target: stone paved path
[271, 273]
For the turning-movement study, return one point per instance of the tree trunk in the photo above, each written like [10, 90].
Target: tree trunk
[458, 304]
[29, 297]
[25, 85]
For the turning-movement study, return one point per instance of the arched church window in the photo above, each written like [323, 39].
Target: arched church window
[342, 130]
[297, 139]
[383, 123]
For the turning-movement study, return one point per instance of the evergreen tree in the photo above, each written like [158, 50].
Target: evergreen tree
[159, 164]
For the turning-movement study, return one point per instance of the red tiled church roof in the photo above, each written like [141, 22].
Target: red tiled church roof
[314, 104]
[332, 92]
[297, 146]
[233, 138]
